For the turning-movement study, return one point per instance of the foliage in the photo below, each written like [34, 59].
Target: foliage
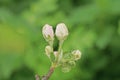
[94, 27]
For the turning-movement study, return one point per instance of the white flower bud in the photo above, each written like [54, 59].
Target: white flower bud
[55, 53]
[61, 31]
[76, 54]
[48, 32]
[48, 51]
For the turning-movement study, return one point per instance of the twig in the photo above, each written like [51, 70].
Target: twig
[37, 77]
[47, 76]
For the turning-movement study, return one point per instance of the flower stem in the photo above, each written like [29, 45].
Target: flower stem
[60, 46]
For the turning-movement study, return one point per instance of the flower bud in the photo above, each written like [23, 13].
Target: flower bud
[72, 63]
[76, 54]
[48, 32]
[61, 31]
[55, 53]
[48, 51]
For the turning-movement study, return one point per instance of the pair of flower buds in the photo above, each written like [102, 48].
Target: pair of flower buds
[61, 33]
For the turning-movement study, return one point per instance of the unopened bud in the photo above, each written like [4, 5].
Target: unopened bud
[61, 31]
[76, 54]
[48, 51]
[55, 53]
[48, 32]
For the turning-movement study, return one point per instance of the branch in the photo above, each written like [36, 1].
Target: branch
[47, 76]
[37, 77]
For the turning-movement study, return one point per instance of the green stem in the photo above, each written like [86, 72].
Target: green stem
[60, 46]
[59, 52]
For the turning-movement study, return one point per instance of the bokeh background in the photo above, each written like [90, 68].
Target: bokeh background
[94, 27]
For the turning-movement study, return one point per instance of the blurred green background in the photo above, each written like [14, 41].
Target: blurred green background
[94, 27]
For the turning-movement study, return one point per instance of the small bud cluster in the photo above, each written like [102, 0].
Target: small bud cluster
[59, 58]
